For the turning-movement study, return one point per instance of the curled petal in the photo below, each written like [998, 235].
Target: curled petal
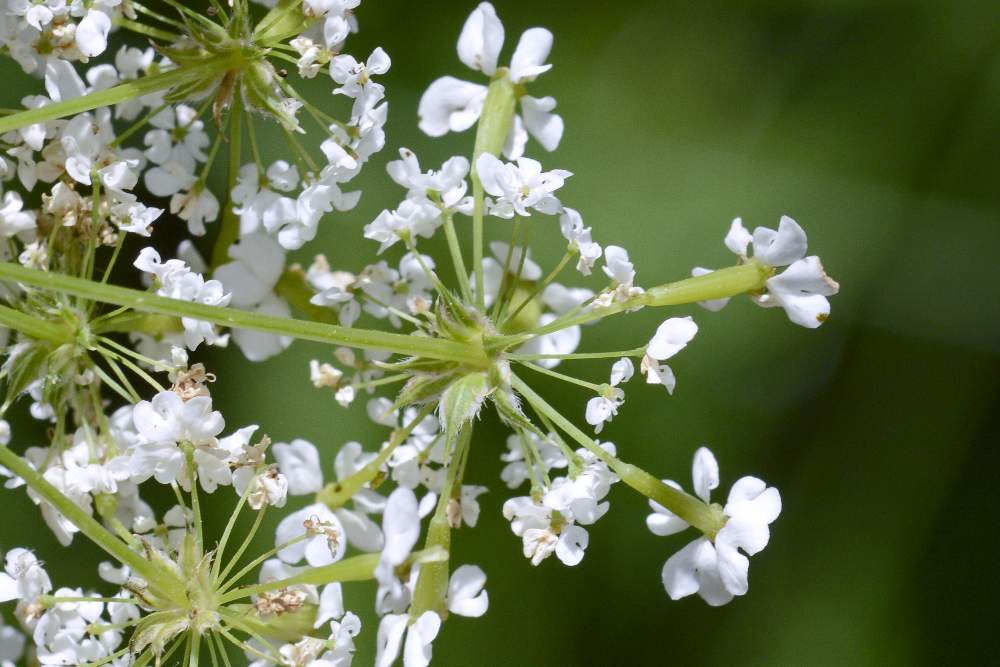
[467, 595]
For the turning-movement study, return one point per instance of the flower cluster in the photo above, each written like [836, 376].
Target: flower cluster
[126, 143]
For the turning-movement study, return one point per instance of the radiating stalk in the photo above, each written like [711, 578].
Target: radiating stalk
[366, 339]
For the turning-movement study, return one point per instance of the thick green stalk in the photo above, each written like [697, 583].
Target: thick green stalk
[119, 93]
[494, 124]
[358, 568]
[366, 339]
[728, 282]
[705, 518]
[431, 590]
[721, 284]
[163, 583]
[229, 231]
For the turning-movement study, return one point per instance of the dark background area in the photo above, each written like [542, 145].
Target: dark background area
[874, 124]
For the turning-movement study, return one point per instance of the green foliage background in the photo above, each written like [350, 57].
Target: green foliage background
[874, 124]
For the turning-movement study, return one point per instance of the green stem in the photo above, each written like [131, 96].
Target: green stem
[724, 283]
[461, 273]
[335, 494]
[358, 568]
[559, 376]
[165, 584]
[431, 590]
[119, 93]
[636, 352]
[148, 31]
[365, 339]
[541, 286]
[34, 327]
[230, 229]
[689, 508]
[491, 133]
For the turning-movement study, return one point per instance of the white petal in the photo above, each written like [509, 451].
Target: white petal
[361, 531]
[450, 105]
[546, 127]
[490, 169]
[780, 248]
[704, 473]
[733, 568]
[622, 371]
[390, 636]
[466, 591]
[671, 337]
[481, 39]
[679, 573]
[331, 604]
[417, 650]
[572, 542]
[738, 238]
[530, 55]
[400, 525]
[92, 33]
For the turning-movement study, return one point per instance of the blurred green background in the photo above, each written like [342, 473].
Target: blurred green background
[874, 124]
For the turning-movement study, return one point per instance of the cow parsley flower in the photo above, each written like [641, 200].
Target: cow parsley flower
[714, 567]
[453, 105]
[802, 288]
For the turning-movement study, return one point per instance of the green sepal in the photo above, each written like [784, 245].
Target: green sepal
[423, 388]
[462, 400]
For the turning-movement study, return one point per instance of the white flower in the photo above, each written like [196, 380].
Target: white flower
[166, 422]
[603, 408]
[453, 105]
[24, 577]
[802, 289]
[579, 238]
[412, 218]
[716, 569]
[355, 78]
[135, 218]
[447, 185]
[541, 535]
[325, 543]
[419, 635]
[671, 337]
[518, 188]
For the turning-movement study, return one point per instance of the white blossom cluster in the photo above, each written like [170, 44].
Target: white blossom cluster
[125, 143]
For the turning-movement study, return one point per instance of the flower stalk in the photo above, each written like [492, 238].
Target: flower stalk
[491, 132]
[230, 317]
[208, 67]
[689, 508]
